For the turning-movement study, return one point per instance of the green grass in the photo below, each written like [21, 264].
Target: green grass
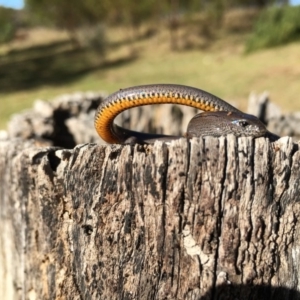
[277, 25]
[46, 71]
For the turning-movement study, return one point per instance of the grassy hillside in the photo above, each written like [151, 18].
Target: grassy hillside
[43, 64]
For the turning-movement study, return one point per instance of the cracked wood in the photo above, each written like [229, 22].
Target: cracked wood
[204, 219]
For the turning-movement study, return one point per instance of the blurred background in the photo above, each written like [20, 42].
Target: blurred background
[229, 48]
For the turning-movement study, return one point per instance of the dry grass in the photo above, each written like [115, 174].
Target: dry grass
[221, 69]
[31, 38]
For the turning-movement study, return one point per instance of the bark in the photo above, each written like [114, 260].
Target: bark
[206, 219]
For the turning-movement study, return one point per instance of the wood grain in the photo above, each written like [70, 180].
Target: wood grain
[210, 218]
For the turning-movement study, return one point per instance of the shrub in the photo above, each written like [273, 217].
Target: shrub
[7, 25]
[93, 37]
[275, 26]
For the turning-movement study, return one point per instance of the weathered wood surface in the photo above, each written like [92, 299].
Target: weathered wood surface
[209, 219]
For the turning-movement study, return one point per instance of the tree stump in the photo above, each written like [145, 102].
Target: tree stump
[210, 218]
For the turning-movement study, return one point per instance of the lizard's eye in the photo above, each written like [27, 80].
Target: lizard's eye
[242, 123]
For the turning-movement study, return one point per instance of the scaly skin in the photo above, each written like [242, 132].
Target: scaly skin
[224, 119]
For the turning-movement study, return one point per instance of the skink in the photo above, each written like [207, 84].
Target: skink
[219, 118]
